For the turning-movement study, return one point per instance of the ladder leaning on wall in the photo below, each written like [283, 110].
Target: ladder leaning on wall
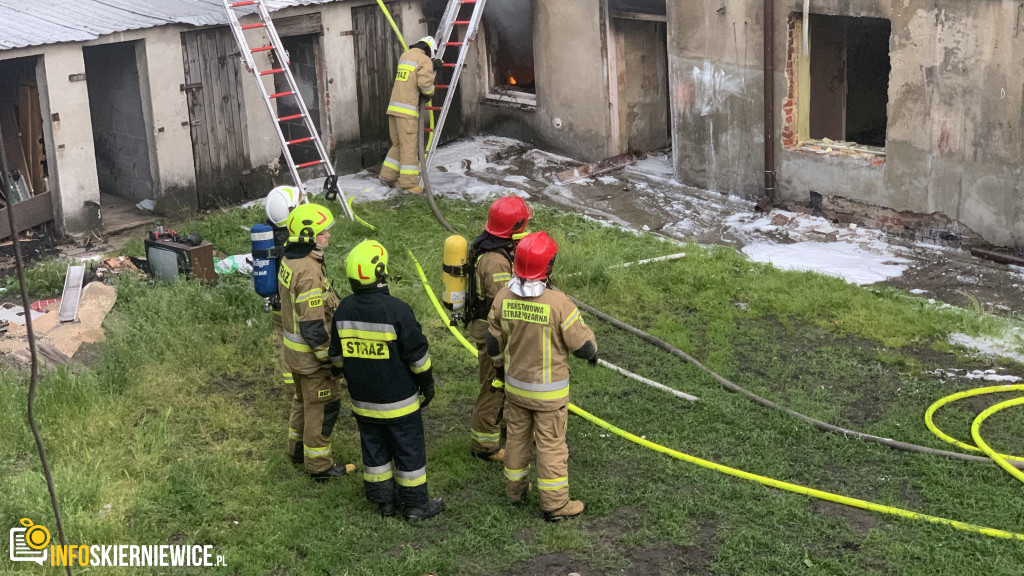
[449, 23]
[280, 67]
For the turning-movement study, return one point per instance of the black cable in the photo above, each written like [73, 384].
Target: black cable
[5, 180]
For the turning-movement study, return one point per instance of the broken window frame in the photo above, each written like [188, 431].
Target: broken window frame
[796, 113]
[493, 95]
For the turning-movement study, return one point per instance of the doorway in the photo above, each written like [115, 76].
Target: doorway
[119, 128]
[641, 80]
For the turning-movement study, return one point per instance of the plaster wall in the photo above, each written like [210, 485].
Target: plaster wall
[954, 140]
[570, 41]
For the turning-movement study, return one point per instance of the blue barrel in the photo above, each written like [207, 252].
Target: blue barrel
[264, 270]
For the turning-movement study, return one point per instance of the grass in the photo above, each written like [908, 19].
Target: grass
[180, 426]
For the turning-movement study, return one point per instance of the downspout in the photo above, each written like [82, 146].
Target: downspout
[765, 204]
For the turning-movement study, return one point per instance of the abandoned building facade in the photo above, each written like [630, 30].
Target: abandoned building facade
[904, 112]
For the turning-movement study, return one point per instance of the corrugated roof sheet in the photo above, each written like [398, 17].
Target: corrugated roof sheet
[37, 22]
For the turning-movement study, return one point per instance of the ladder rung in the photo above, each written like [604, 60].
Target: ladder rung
[300, 140]
[428, 129]
[434, 108]
[449, 65]
[262, 49]
[274, 71]
[243, 3]
[462, 22]
[453, 43]
[292, 117]
[279, 94]
[307, 164]
[251, 26]
[444, 86]
[469, 1]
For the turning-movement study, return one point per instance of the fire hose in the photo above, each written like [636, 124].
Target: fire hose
[771, 482]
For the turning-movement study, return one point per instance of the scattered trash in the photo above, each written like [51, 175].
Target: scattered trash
[116, 266]
[239, 263]
[148, 205]
[44, 305]
[16, 314]
[4, 324]
[588, 170]
[105, 511]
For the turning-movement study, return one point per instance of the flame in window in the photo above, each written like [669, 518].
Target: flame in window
[512, 80]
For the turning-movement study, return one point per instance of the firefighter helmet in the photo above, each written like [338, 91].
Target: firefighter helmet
[431, 43]
[367, 263]
[508, 216]
[535, 256]
[308, 220]
[280, 203]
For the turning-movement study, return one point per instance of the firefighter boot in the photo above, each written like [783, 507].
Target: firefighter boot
[387, 509]
[296, 456]
[430, 509]
[336, 471]
[498, 456]
[571, 510]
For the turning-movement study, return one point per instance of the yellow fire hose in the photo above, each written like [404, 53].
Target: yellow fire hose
[1003, 460]
[781, 485]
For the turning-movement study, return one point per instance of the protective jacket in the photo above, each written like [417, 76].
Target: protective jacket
[307, 304]
[535, 336]
[415, 76]
[379, 345]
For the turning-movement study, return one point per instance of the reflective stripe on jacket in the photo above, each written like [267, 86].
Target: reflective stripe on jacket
[415, 76]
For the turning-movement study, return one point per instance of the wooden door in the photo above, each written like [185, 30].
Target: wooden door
[377, 52]
[216, 110]
[641, 54]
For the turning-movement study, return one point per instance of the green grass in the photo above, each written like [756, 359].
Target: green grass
[180, 426]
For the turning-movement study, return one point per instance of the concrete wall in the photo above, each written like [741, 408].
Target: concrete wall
[954, 139]
[571, 66]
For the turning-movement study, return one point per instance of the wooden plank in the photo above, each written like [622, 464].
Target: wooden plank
[28, 214]
[230, 170]
[209, 55]
[588, 170]
[639, 16]
[234, 115]
[12, 138]
[31, 123]
[299, 25]
[190, 52]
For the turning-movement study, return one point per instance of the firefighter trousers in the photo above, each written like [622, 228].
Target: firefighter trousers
[485, 424]
[394, 452]
[403, 163]
[547, 427]
[316, 405]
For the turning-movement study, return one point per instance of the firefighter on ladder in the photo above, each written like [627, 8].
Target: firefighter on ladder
[535, 327]
[307, 304]
[414, 80]
[380, 347]
[492, 253]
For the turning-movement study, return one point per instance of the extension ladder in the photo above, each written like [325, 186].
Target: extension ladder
[280, 57]
[444, 39]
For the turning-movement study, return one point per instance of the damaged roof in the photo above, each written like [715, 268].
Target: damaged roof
[37, 22]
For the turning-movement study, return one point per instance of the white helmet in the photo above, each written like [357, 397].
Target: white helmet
[280, 203]
[429, 41]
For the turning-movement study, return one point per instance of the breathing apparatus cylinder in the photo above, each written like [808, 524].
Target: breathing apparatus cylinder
[264, 265]
[455, 252]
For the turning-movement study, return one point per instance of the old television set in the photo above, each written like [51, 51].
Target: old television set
[169, 261]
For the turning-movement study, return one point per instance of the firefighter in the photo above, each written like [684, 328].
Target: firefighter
[307, 303]
[380, 347]
[536, 327]
[492, 253]
[415, 80]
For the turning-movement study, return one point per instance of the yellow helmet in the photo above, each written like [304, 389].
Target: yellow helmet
[308, 220]
[367, 263]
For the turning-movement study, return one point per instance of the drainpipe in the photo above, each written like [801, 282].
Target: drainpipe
[765, 204]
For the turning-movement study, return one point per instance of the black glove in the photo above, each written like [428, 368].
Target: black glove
[336, 371]
[438, 64]
[592, 360]
[428, 395]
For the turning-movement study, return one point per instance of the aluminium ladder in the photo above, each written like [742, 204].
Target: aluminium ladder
[444, 39]
[280, 57]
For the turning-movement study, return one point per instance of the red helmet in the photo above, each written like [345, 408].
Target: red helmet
[508, 215]
[535, 256]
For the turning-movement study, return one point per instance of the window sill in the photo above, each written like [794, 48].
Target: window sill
[520, 100]
[835, 149]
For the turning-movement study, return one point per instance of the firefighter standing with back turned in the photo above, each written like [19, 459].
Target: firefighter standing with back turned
[307, 303]
[415, 79]
[378, 344]
[492, 253]
[535, 327]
